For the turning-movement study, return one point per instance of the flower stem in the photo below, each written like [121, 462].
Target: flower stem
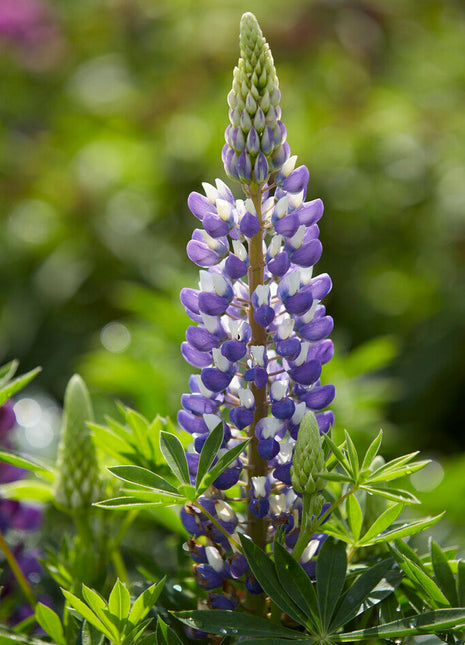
[215, 522]
[257, 465]
[19, 575]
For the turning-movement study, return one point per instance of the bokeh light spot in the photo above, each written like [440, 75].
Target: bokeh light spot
[115, 337]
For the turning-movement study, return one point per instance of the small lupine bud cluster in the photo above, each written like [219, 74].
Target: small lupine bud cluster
[309, 458]
[77, 484]
[256, 137]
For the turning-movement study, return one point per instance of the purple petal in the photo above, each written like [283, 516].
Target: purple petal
[201, 254]
[308, 254]
[307, 373]
[249, 225]
[319, 397]
[264, 315]
[201, 339]
[199, 205]
[214, 379]
[198, 404]
[321, 286]
[297, 180]
[317, 329]
[235, 268]
[212, 304]
[288, 225]
[283, 409]
[215, 226]
[190, 299]
[192, 423]
[299, 303]
[194, 357]
[244, 167]
[290, 347]
[267, 448]
[227, 479]
[280, 264]
[283, 473]
[310, 212]
[234, 350]
[325, 421]
[241, 417]
[260, 169]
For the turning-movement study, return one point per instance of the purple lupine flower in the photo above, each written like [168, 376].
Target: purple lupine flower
[259, 332]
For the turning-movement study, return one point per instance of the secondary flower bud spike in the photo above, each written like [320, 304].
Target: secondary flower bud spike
[77, 484]
[309, 457]
[255, 140]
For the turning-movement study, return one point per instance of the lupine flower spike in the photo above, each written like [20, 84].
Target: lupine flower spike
[259, 332]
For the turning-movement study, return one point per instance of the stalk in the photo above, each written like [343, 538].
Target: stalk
[257, 465]
[19, 575]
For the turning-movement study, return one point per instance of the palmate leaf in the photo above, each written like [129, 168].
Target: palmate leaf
[233, 623]
[353, 599]
[264, 570]
[430, 622]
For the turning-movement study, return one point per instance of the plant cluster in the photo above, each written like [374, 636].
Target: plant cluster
[294, 537]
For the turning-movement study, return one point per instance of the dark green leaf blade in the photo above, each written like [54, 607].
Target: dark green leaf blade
[443, 574]
[264, 570]
[428, 623]
[296, 582]
[233, 623]
[175, 456]
[330, 577]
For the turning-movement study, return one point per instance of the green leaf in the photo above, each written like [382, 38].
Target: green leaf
[209, 451]
[89, 615]
[431, 622]
[337, 450]
[175, 456]
[14, 386]
[27, 489]
[144, 603]
[279, 641]
[143, 477]
[223, 462]
[50, 623]
[264, 570]
[7, 372]
[424, 583]
[359, 592]
[165, 635]
[132, 503]
[233, 623]
[381, 523]
[134, 634]
[355, 516]
[372, 451]
[8, 637]
[461, 582]
[407, 529]
[396, 468]
[98, 604]
[352, 454]
[394, 494]
[296, 582]
[335, 477]
[27, 463]
[331, 568]
[443, 574]
[119, 601]
[107, 441]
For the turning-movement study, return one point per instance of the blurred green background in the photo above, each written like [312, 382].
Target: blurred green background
[114, 110]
